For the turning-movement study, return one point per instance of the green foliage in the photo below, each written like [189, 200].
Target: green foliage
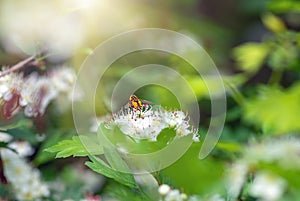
[273, 23]
[116, 191]
[17, 124]
[53, 138]
[275, 110]
[251, 56]
[282, 6]
[22, 129]
[196, 176]
[77, 146]
[101, 167]
[285, 52]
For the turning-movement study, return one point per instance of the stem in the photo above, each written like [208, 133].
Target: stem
[17, 66]
[275, 77]
[236, 94]
[21, 64]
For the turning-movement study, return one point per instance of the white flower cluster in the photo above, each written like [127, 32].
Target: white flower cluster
[25, 180]
[34, 92]
[22, 147]
[148, 122]
[284, 153]
[168, 194]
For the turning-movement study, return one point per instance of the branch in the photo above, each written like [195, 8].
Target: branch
[17, 66]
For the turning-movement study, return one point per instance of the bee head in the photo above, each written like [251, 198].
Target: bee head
[133, 98]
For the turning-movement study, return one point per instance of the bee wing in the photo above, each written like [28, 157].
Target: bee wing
[147, 102]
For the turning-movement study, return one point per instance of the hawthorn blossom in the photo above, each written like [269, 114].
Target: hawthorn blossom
[237, 176]
[23, 148]
[148, 122]
[268, 187]
[168, 194]
[63, 80]
[34, 92]
[282, 153]
[39, 95]
[4, 137]
[285, 152]
[25, 180]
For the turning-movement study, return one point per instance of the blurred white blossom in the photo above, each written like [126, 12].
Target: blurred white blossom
[4, 137]
[148, 122]
[164, 189]
[29, 24]
[236, 178]
[10, 84]
[63, 80]
[23, 148]
[268, 187]
[35, 92]
[24, 179]
[168, 194]
[284, 151]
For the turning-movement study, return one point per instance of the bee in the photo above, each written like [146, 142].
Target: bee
[136, 103]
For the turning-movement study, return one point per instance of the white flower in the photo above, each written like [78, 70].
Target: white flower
[268, 187]
[164, 189]
[4, 137]
[24, 179]
[63, 79]
[284, 151]
[168, 194]
[39, 96]
[175, 118]
[27, 94]
[236, 178]
[4, 85]
[23, 148]
[138, 124]
[173, 195]
[10, 84]
[148, 122]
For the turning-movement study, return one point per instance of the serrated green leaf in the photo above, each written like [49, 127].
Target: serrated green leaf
[52, 139]
[77, 146]
[101, 167]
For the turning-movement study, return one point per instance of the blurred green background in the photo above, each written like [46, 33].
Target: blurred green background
[255, 45]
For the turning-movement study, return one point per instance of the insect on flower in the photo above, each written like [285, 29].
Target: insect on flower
[136, 103]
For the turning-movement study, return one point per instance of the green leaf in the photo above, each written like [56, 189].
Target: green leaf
[230, 146]
[20, 123]
[274, 110]
[52, 139]
[283, 56]
[101, 167]
[3, 144]
[23, 129]
[273, 23]
[116, 191]
[78, 146]
[250, 56]
[282, 6]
